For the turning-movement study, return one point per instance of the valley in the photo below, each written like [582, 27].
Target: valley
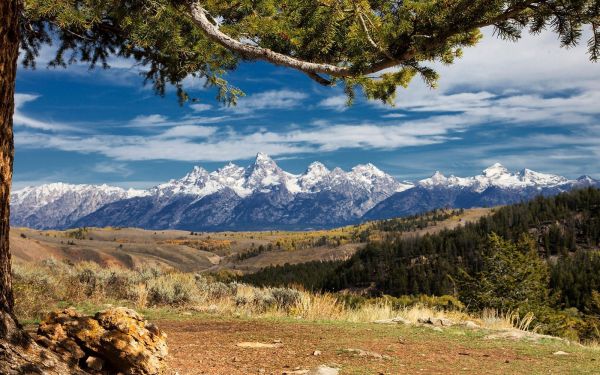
[201, 251]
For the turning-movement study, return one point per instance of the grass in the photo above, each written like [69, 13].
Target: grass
[51, 285]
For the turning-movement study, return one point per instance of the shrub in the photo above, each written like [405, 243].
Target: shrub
[286, 298]
[172, 289]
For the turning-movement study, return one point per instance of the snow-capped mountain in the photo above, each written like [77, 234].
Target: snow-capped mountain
[263, 196]
[496, 185]
[58, 205]
[260, 196]
[495, 176]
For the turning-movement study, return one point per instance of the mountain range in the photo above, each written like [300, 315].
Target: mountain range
[262, 196]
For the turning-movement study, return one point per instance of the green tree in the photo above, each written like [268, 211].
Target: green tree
[513, 277]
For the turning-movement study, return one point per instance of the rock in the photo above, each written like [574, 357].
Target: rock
[94, 363]
[119, 337]
[560, 352]
[258, 345]
[364, 353]
[397, 320]
[324, 370]
[317, 353]
[438, 322]
[20, 354]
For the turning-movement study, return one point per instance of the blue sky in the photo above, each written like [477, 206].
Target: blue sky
[530, 104]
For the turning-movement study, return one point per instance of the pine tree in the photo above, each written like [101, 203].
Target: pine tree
[513, 278]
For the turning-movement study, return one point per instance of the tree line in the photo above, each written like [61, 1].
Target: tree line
[542, 255]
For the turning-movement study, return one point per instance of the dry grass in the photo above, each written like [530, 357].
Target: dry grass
[51, 285]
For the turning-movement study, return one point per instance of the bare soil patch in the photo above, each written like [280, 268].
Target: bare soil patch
[210, 346]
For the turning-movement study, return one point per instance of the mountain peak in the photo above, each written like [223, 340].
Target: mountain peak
[368, 169]
[317, 168]
[261, 157]
[495, 170]
[197, 176]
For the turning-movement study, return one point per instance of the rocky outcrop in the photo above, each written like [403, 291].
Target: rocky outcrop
[20, 354]
[116, 340]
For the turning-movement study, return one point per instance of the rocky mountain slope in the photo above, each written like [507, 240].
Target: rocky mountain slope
[495, 186]
[262, 196]
[58, 205]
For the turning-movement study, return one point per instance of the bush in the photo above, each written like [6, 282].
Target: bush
[286, 298]
[172, 289]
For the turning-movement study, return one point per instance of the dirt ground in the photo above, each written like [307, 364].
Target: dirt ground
[210, 347]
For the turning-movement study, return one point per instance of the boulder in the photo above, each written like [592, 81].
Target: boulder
[20, 354]
[114, 340]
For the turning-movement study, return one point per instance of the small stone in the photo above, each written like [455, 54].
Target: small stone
[438, 322]
[364, 353]
[560, 352]
[324, 370]
[317, 353]
[94, 363]
[258, 345]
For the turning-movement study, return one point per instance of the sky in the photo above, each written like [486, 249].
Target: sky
[529, 104]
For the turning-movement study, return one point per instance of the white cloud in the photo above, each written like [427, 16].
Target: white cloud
[154, 119]
[268, 100]
[200, 107]
[112, 168]
[23, 120]
[189, 131]
[337, 103]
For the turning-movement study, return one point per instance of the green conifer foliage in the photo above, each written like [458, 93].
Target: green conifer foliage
[513, 277]
[376, 45]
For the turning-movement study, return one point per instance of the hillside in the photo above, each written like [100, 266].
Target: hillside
[200, 251]
[552, 242]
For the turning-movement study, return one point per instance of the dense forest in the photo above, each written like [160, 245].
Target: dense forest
[553, 241]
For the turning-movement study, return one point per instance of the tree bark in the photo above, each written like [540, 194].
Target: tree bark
[19, 354]
[9, 52]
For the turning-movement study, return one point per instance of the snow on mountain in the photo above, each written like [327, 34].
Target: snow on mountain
[264, 174]
[57, 205]
[495, 176]
[264, 196]
[315, 173]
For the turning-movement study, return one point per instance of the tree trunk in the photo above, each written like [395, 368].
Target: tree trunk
[19, 354]
[9, 51]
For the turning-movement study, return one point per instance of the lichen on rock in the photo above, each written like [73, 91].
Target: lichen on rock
[114, 340]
